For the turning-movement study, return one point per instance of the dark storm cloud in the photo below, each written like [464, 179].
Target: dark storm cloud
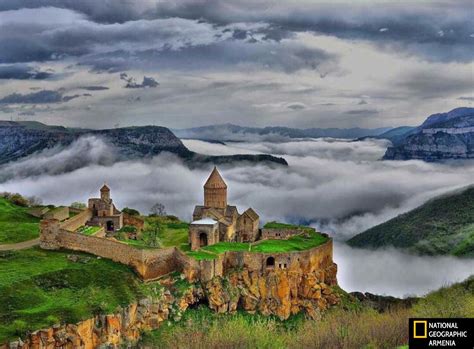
[40, 97]
[94, 88]
[437, 30]
[22, 72]
[45, 96]
[132, 83]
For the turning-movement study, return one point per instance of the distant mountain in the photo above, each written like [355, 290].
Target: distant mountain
[396, 135]
[442, 226]
[442, 136]
[21, 139]
[230, 132]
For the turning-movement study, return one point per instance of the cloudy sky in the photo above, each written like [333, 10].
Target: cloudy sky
[305, 63]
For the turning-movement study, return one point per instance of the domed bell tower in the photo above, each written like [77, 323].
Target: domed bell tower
[215, 191]
[105, 193]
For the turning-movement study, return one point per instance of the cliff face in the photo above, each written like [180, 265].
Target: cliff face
[280, 292]
[17, 140]
[442, 136]
[123, 326]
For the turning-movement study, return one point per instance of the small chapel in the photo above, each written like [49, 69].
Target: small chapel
[216, 221]
[104, 212]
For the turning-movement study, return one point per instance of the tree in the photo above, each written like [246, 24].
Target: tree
[78, 205]
[152, 236]
[158, 209]
[131, 211]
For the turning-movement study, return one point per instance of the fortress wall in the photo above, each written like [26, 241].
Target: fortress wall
[105, 248]
[77, 221]
[59, 213]
[159, 262]
[279, 233]
[317, 258]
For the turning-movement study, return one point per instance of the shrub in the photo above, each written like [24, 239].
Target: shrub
[78, 205]
[131, 211]
[128, 229]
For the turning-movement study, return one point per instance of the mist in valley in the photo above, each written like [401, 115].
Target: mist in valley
[338, 186]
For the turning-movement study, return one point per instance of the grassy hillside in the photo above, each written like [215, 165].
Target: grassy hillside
[40, 288]
[442, 226]
[16, 224]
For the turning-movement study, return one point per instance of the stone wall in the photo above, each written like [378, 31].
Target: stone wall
[317, 258]
[59, 213]
[73, 223]
[280, 234]
[134, 221]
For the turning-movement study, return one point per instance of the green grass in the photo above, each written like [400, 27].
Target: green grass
[16, 225]
[40, 288]
[441, 226]
[173, 233]
[88, 230]
[295, 243]
[278, 225]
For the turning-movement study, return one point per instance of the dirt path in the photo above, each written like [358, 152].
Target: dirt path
[19, 246]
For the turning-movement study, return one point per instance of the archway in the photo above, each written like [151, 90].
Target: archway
[270, 262]
[202, 239]
[110, 226]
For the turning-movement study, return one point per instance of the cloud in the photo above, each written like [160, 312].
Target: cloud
[362, 112]
[23, 72]
[296, 106]
[392, 272]
[41, 97]
[94, 88]
[86, 151]
[338, 186]
[131, 82]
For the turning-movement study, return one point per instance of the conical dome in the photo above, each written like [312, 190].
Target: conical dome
[105, 188]
[215, 181]
[215, 191]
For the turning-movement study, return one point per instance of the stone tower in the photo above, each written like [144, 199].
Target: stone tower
[105, 193]
[215, 191]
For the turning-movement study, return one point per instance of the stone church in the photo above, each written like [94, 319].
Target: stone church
[216, 221]
[104, 212]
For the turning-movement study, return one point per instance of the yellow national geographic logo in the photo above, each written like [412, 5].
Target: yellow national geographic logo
[420, 329]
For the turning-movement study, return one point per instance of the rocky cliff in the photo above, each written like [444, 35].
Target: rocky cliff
[21, 139]
[442, 136]
[280, 292]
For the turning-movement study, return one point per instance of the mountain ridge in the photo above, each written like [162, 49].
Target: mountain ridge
[441, 136]
[22, 139]
[442, 226]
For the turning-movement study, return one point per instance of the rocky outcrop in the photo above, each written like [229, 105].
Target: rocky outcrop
[277, 292]
[112, 330]
[442, 136]
[21, 139]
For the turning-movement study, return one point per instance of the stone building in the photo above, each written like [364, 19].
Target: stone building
[104, 212]
[216, 221]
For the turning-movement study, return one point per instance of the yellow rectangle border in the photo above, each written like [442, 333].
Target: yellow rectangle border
[426, 329]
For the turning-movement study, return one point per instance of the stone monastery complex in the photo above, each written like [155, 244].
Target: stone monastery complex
[214, 223]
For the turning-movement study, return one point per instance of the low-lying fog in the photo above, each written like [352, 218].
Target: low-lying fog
[339, 186]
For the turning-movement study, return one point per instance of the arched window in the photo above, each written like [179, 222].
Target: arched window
[270, 262]
[202, 239]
